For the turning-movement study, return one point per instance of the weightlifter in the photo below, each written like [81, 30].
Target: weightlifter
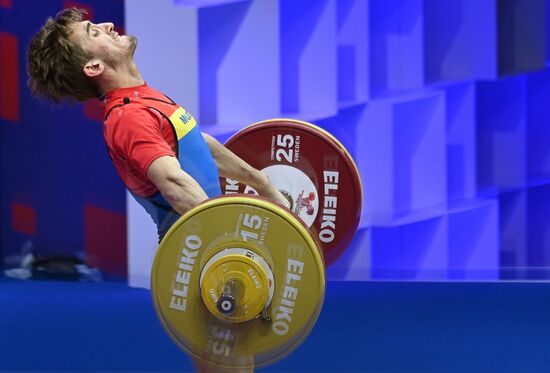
[155, 145]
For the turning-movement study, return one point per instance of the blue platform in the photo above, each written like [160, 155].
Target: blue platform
[364, 327]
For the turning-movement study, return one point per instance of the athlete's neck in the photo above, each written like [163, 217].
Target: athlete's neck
[124, 76]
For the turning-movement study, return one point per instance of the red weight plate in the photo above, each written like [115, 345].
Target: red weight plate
[312, 169]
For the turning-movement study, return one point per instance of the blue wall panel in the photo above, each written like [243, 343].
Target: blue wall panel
[460, 102]
[308, 51]
[521, 35]
[353, 51]
[413, 251]
[399, 137]
[474, 241]
[538, 118]
[460, 40]
[538, 230]
[513, 234]
[501, 131]
[396, 47]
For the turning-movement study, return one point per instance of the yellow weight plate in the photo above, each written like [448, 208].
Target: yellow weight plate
[265, 229]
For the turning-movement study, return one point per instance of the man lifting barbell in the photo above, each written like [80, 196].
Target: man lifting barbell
[74, 59]
[237, 282]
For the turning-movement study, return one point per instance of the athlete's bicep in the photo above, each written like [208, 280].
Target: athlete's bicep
[165, 169]
[140, 139]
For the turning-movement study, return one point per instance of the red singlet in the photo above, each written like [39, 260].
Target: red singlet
[135, 136]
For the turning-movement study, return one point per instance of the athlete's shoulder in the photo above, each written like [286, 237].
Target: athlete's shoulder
[134, 111]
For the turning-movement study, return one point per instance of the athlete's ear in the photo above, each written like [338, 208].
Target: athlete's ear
[93, 68]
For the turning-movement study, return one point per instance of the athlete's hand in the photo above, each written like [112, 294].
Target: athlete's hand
[268, 190]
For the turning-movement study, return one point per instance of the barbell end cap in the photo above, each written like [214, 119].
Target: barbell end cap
[226, 304]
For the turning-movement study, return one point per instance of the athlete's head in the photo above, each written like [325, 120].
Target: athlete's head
[69, 56]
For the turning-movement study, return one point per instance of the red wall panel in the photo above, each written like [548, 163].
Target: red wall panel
[23, 219]
[6, 3]
[9, 76]
[105, 239]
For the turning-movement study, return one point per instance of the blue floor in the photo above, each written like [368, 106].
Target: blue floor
[364, 327]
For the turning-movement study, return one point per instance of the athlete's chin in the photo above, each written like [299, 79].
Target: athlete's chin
[132, 42]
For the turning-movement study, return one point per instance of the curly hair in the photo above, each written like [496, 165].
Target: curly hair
[55, 63]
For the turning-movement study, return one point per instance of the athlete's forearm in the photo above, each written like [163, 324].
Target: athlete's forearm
[179, 189]
[231, 166]
[182, 195]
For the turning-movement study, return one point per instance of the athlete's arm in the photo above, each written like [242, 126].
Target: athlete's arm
[178, 188]
[231, 166]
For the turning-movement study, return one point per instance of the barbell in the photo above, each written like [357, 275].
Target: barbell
[239, 281]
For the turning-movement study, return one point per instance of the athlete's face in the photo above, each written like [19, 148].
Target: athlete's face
[103, 42]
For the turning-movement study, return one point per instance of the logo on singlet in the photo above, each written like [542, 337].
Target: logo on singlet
[186, 117]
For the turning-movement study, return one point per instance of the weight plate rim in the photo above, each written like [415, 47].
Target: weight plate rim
[276, 209]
